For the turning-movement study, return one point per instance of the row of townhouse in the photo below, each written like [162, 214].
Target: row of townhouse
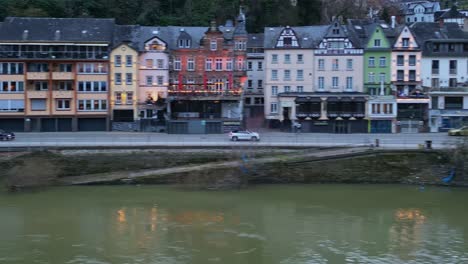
[81, 74]
[366, 76]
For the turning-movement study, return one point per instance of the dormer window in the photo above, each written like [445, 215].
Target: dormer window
[287, 38]
[213, 45]
[156, 45]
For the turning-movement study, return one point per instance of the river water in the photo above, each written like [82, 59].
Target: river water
[262, 224]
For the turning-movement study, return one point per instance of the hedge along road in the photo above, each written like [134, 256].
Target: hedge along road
[273, 139]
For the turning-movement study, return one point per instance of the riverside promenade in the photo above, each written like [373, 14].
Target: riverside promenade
[268, 139]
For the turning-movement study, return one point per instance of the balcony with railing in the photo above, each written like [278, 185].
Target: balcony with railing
[59, 52]
[200, 92]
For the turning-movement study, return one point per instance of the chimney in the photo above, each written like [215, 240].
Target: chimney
[393, 21]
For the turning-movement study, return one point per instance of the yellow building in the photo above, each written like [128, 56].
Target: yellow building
[124, 83]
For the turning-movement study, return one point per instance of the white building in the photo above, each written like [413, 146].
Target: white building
[419, 11]
[444, 73]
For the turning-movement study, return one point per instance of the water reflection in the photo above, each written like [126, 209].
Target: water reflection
[271, 224]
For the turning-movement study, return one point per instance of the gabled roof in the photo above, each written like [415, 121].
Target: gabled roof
[29, 29]
[429, 6]
[308, 36]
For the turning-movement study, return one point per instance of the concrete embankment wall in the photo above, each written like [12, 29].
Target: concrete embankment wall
[231, 169]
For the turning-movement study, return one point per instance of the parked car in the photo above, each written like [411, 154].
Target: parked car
[244, 135]
[5, 135]
[462, 131]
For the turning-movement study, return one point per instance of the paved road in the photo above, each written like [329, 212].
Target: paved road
[274, 139]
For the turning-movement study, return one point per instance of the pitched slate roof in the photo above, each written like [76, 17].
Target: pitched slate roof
[308, 36]
[255, 40]
[429, 6]
[364, 28]
[126, 34]
[28, 29]
[451, 13]
[429, 31]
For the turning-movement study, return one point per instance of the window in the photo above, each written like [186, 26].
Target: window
[412, 60]
[149, 63]
[92, 86]
[405, 42]
[383, 62]
[41, 86]
[149, 80]
[300, 89]
[300, 58]
[454, 102]
[190, 64]
[435, 102]
[64, 86]
[349, 83]
[219, 64]
[287, 58]
[335, 64]
[249, 66]
[376, 42]
[400, 75]
[453, 82]
[321, 64]
[371, 62]
[287, 41]
[274, 107]
[11, 68]
[260, 66]
[213, 45]
[349, 64]
[37, 67]
[92, 105]
[436, 47]
[412, 75]
[208, 64]
[249, 84]
[229, 64]
[160, 80]
[435, 82]
[160, 63]
[260, 84]
[287, 88]
[274, 58]
[177, 64]
[387, 109]
[92, 68]
[300, 75]
[118, 78]
[63, 104]
[335, 82]
[400, 60]
[321, 83]
[117, 60]
[65, 67]
[128, 78]
[240, 64]
[453, 67]
[274, 75]
[128, 60]
[371, 77]
[274, 90]
[375, 108]
[435, 67]
[11, 87]
[451, 47]
[382, 77]
[287, 75]
[38, 104]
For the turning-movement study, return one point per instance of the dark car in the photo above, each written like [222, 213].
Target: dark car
[5, 135]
